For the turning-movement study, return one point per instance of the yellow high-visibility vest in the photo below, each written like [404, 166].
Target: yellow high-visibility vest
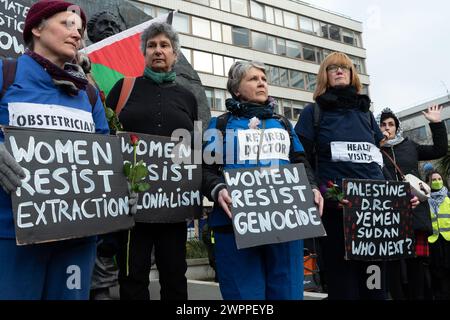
[441, 222]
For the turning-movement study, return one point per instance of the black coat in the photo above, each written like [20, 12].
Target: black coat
[407, 155]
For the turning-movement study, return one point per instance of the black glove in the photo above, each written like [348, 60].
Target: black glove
[11, 172]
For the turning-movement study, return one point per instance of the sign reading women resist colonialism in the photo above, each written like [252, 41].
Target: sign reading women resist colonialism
[272, 205]
[378, 222]
[74, 185]
[175, 178]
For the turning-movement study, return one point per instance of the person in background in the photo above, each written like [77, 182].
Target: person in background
[440, 239]
[409, 278]
[272, 271]
[157, 106]
[46, 76]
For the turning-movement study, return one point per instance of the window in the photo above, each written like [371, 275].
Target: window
[225, 5]
[201, 27]
[271, 44]
[240, 36]
[335, 33]
[348, 37]
[270, 18]
[284, 82]
[181, 22]
[259, 41]
[150, 10]
[239, 7]
[306, 24]
[309, 53]
[317, 28]
[290, 20]
[287, 110]
[418, 134]
[357, 62]
[293, 49]
[218, 65]
[216, 31]
[278, 17]
[226, 31]
[257, 10]
[203, 61]
[227, 62]
[274, 76]
[297, 108]
[209, 97]
[187, 54]
[219, 99]
[311, 80]
[281, 47]
[296, 79]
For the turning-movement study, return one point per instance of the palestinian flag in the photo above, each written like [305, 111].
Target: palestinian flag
[120, 55]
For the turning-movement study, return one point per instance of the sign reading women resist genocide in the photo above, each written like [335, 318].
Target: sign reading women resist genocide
[174, 177]
[74, 185]
[272, 205]
[378, 222]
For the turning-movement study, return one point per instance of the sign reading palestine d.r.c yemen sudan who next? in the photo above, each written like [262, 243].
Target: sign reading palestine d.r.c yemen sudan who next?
[174, 177]
[378, 222]
[74, 185]
[272, 205]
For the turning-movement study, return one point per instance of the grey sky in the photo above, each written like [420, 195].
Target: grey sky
[407, 43]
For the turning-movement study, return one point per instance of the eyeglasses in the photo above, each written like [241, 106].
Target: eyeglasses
[334, 68]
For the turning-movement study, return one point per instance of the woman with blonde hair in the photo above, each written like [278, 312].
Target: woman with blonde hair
[345, 118]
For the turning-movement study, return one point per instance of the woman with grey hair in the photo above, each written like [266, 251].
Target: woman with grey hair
[157, 106]
[270, 271]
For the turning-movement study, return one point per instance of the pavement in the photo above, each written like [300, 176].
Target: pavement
[204, 290]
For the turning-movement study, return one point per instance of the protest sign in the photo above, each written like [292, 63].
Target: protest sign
[74, 185]
[272, 205]
[174, 179]
[12, 22]
[378, 220]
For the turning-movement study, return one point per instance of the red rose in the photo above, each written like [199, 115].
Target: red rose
[134, 139]
[330, 184]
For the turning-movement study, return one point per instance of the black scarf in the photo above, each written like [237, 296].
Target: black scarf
[71, 79]
[250, 110]
[343, 98]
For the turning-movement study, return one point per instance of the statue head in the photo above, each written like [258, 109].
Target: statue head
[103, 25]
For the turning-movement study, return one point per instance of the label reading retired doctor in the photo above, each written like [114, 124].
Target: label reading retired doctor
[275, 144]
[356, 152]
[272, 205]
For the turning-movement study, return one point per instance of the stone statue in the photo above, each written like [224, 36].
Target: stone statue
[102, 25]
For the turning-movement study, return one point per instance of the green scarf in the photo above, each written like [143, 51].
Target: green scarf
[159, 77]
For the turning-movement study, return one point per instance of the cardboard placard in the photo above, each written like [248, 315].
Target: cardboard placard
[175, 180]
[378, 222]
[12, 22]
[272, 205]
[74, 185]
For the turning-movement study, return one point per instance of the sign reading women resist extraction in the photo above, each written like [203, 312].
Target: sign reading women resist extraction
[74, 185]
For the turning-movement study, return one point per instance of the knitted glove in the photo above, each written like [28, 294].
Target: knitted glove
[11, 172]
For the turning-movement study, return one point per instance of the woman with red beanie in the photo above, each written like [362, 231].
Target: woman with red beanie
[46, 84]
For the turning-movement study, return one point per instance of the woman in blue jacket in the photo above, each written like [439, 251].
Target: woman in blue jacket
[273, 271]
[49, 87]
